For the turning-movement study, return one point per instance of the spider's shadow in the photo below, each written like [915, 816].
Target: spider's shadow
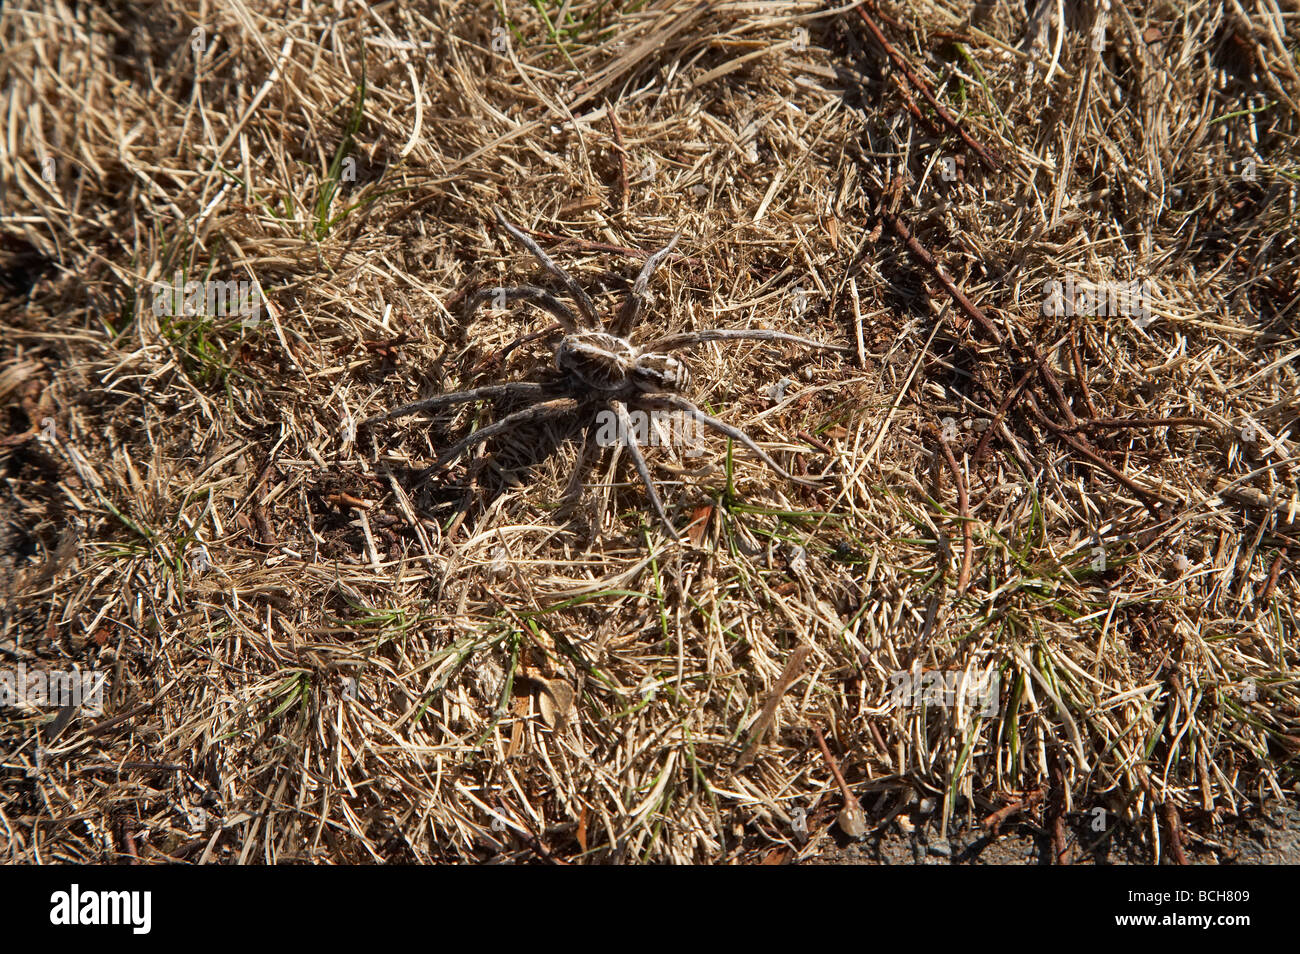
[474, 484]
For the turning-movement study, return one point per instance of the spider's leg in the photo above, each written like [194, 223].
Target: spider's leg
[540, 297]
[687, 338]
[491, 392]
[628, 434]
[580, 297]
[677, 402]
[542, 411]
[630, 313]
[544, 334]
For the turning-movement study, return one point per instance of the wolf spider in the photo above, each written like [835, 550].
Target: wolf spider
[598, 369]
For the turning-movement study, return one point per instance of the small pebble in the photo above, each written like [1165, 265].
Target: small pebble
[777, 391]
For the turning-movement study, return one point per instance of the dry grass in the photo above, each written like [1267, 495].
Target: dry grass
[561, 681]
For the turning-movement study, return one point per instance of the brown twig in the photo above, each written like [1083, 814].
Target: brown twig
[126, 833]
[622, 156]
[923, 88]
[342, 500]
[973, 311]
[852, 820]
[120, 767]
[1125, 423]
[1274, 572]
[963, 504]
[914, 109]
[834, 766]
[953, 35]
[815, 442]
[968, 307]
[1152, 501]
[1081, 378]
[1027, 801]
[982, 447]
[793, 666]
[1175, 833]
[975, 314]
[1056, 811]
[496, 359]
[1052, 384]
[107, 724]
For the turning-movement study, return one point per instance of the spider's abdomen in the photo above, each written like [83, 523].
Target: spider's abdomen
[600, 360]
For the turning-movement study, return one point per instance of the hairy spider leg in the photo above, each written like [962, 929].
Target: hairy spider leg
[627, 432]
[488, 393]
[687, 338]
[542, 411]
[630, 313]
[502, 295]
[677, 402]
[580, 297]
[545, 335]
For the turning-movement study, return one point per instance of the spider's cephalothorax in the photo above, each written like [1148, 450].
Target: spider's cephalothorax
[601, 360]
[599, 369]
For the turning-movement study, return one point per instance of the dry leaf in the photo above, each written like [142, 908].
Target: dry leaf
[582, 205]
[520, 709]
[699, 523]
[556, 703]
[833, 232]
